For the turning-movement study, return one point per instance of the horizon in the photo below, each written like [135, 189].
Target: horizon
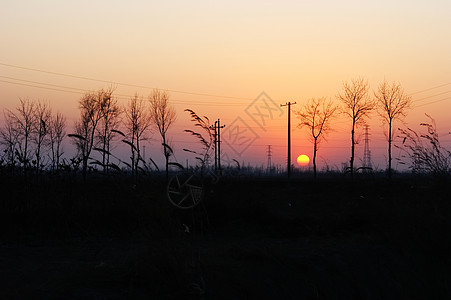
[218, 58]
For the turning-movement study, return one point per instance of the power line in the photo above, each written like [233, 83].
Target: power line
[40, 87]
[42, 83]
[121, 83]
[432, 88]
[432, 102]
[67, 89]
[424, 98]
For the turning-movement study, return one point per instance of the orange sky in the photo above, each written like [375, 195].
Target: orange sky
[292, 50]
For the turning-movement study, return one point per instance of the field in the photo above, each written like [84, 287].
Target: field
[252, 238]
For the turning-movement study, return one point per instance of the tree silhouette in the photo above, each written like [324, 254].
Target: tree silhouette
[91, 112]
[357, 105]
[22, 124]
[42, 116]
[9, 137]
[163, 116]
[137, 122]
[392, 104]
[108, 125]
[56, 131]
[315, 115]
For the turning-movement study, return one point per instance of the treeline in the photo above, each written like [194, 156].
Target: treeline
[422, 151]
[356, 104]
[32, 136]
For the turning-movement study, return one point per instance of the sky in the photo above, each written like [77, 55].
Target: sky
[236, 61]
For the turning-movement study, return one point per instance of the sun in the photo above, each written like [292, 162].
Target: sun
[303, 160]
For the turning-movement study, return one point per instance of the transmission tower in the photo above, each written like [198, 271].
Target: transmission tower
[366, 150]
[269, 154]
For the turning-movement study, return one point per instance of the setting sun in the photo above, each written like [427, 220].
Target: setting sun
[303, 160]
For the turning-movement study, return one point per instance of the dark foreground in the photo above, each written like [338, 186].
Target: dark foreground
[252, 239]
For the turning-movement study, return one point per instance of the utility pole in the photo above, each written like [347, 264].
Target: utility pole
[289, 137]
[219, 146]
[216, 149]
[217, 127]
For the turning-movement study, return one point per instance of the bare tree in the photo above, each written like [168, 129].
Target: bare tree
[42, 115]
[56, 131]
[163, 115]
[81, 136]
[109, 123]
[392, 104]
[22, 123]
[316, 115]
[137, 123]
[356, 105]
[9, 137]
[91, 112]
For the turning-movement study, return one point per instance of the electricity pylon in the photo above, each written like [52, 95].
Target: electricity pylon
[269, 154]
[366, 151]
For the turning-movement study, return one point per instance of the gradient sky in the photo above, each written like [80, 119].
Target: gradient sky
[199, 50]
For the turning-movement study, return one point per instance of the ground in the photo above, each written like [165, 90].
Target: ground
[251, 238]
